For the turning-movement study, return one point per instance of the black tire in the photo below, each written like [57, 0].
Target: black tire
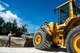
[45, 43]
[70, 37]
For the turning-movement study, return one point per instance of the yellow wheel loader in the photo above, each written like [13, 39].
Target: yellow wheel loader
[64, 33]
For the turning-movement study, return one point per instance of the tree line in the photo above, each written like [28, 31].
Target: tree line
[6, 27]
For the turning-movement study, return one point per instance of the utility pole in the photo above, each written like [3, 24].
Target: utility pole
[33, 29]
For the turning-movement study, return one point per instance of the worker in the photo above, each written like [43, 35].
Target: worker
[8, 43]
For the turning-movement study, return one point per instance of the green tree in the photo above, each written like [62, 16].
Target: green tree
[1, 21]
[5, 28]
[1, 24]
[20, 30]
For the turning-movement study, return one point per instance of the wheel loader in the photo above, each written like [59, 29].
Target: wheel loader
[65, 33]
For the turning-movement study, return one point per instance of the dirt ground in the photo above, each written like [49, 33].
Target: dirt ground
[30, 50]
[15, 41]
[16, 47]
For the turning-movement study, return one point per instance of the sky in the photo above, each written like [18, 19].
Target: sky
[30, 12]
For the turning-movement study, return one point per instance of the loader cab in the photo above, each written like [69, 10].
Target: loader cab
[67, 10]
[63, 12]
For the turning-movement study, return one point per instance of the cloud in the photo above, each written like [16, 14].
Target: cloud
[9, 16]
[1, 8]
[5, 4]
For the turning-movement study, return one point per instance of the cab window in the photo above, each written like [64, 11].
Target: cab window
[63, 13]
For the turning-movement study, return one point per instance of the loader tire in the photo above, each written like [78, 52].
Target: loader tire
[44, 41]
[73, 40]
